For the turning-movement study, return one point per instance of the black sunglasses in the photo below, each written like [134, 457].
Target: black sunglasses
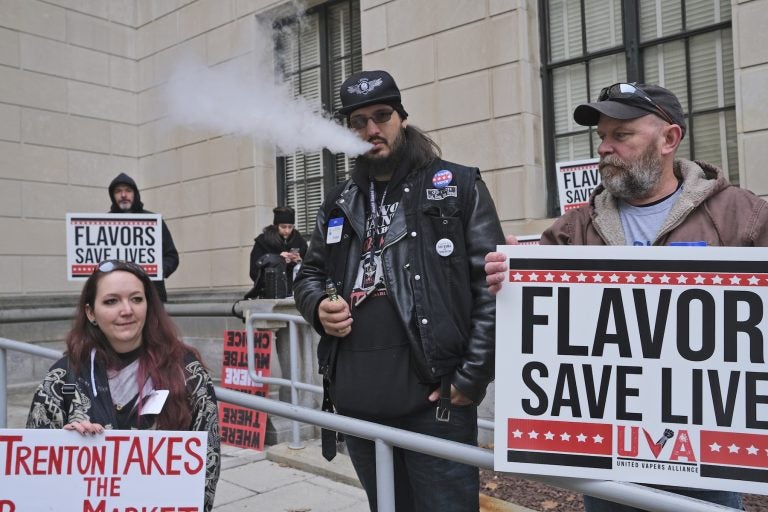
[378, 117]
[622, 90]
[111, 265]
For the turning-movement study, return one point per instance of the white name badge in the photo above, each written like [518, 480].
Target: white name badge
[154, 402]
[335, 226]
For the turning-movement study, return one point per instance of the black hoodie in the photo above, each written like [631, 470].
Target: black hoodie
[170, 254]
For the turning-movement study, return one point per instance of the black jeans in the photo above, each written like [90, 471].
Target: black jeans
[424, 483]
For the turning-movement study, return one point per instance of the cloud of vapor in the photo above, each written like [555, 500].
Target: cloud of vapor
[244, 97]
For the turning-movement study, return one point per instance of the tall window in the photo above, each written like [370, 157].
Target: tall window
[683, 45]
[316, 53]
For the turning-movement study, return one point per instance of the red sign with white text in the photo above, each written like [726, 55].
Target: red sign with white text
[240, 426]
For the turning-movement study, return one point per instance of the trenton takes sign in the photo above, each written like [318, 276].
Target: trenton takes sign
[634, 364]
[96, 237]
[119, 471]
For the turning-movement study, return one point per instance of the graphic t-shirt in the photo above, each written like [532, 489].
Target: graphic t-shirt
[375, 377]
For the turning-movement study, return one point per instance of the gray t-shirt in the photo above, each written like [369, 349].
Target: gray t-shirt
[642, 223]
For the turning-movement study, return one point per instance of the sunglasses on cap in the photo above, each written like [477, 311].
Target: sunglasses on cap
[379, 117]
[627, 91]
[111, 265]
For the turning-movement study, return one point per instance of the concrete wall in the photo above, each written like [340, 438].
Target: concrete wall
[750, 50]
[81, 99]
[68, 113]
[468, 70]
[217, 189]
[82, 87]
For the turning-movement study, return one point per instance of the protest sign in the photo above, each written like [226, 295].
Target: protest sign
[528, 239]
[635, 364]
[575, 182]
[241, 426]
[118, 471]
[96, 237]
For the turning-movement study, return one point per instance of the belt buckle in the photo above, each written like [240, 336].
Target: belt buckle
[443, 411]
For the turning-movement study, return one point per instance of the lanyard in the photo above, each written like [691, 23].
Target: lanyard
[377, 219]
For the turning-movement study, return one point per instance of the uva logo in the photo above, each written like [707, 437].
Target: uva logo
[682, 450]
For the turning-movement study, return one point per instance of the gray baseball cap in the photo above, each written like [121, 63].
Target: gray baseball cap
[630, 101]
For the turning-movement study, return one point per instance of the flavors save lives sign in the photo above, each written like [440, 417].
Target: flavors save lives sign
[637, 364]
[576, 181]
[96, 237]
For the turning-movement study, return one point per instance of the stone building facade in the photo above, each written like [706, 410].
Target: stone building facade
[82, 85]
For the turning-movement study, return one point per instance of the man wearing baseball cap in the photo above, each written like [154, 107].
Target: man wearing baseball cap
[393, 281]
[650, 197]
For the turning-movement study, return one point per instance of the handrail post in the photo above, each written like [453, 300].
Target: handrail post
[293, 344]
[3, 388]
[293, 350]
[385, 477]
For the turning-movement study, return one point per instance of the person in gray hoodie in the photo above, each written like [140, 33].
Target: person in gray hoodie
[126, 198]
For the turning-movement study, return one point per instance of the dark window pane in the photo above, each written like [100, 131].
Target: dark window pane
[574, 147]
[664, 64]
[316, 76]
[565, 29]
[569, 89]
[604, 28]
[700, 13]
[605, 71]
[660, 18]
[712, 144]
[614, 39]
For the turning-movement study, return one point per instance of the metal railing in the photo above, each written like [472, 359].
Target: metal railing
[294, 383]
[385, 438]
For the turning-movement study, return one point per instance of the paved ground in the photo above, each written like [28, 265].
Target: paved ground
[280, 479]
[251, 481]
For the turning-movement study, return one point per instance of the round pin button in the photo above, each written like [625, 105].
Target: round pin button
[442, 179]
[444, 247]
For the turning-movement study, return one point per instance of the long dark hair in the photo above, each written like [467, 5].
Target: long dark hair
[412, 149]
[274, 241]
[162, 353]
[420, 150]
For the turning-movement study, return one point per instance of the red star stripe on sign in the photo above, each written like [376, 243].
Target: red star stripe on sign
[86, 270]
[560, 436]
[734, 449]
[112, 222]
[83, 270]
[639, 278]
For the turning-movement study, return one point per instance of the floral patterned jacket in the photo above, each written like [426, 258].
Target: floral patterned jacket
[47, 408]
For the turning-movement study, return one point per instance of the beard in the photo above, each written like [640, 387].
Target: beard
[377, 167]
[632, 180]
[125, 206]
